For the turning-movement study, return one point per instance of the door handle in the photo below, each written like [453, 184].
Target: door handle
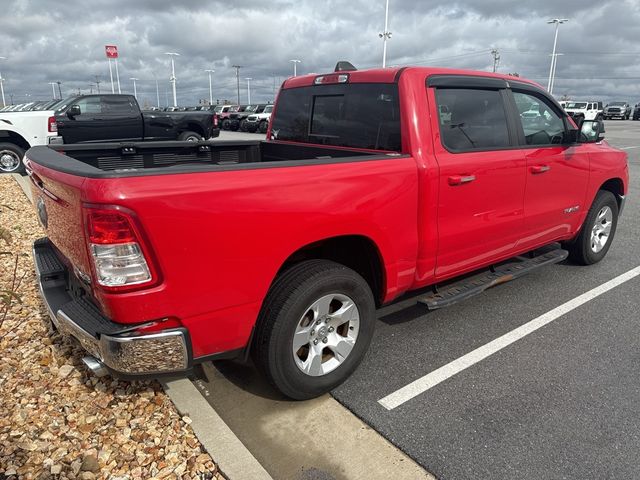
[538, 169]
[461, 179]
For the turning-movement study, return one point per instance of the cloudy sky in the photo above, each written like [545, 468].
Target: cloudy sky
[64, 41]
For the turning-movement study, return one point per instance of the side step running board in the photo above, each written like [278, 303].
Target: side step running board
[469, 287]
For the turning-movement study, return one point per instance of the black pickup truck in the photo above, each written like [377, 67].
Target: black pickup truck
[114, 117]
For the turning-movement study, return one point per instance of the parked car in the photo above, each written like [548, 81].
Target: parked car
[241, 118]
[621, 110]
[259, 122]
[224, 111]
[636, 112]
[159, 257]
[20, 131]
[114, 117]
[232, 120]
[584, 110]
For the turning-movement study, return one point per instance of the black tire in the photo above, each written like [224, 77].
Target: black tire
[243, 126]
[189, 136]
[225, 124]
[291, 295]
[264, 126]
[11, 157]
[580, 250]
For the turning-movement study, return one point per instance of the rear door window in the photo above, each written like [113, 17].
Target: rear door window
[349, 115]
[472, 119]
[117, 106]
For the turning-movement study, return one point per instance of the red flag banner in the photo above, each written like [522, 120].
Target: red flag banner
[111, 51]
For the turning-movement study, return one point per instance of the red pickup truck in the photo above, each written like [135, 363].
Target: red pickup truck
[370, 184]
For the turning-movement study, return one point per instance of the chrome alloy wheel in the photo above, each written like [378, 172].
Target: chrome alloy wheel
[326, 334]
[9, 161]
[601, 230]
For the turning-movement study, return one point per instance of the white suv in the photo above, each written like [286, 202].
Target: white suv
[259, 122]
[584, 110]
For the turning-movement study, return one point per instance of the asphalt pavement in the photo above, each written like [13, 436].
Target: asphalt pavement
[561, 402]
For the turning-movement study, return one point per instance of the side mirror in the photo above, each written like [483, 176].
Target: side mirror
[591, 131]
[74, 110]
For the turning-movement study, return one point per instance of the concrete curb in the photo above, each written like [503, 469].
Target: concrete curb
[233, 458]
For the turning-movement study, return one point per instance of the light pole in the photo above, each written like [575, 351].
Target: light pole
[98, 82]
[248, 79]
[157, 93]
[53, 89]
[496, 59]
[173, 76]
[386, 35]
[553, 75]
[238, 67]
[295, 66]
[2, 84]
[557, 22]
[210, 88]
[135, 90]
[60, 89]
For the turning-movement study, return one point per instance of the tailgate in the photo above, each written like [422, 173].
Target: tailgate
[58, 203]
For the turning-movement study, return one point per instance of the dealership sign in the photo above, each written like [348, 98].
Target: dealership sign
[111, 51]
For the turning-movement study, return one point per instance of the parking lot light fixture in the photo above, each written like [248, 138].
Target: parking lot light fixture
[295, 66]
[248, 79]
[135, 90]
[210, 88]
[557, 22]
[172, 79]
[386, 35]
[2, 84]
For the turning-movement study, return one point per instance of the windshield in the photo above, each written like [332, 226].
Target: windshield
[218, 109]
[578, 105]
[268, 109]
[251, 108]
[363, 116]
[618, 104]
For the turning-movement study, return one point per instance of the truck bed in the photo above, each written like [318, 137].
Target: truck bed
[110, 160]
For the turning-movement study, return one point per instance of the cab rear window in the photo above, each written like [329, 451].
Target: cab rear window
[346, 115]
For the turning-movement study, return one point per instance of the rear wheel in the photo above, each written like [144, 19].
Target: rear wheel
[264, 126]
[314, 328]
[225, 124]
[11, 158]
[595, 238]
[189, 136]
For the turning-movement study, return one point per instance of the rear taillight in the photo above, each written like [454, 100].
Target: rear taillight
[116, 249]
[53, 126]
[215, 120]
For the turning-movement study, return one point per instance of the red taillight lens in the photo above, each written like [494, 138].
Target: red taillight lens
[53, 126]
[121, 260]
[109, 227]
[215, 120]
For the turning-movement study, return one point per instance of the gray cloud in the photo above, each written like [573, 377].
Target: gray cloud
[64, 41]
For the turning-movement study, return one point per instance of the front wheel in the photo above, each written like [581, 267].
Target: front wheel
[595, 238]
[314, 328]
[11, 158]
[264, 126]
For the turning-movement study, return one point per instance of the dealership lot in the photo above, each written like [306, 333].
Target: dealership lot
[561, 402]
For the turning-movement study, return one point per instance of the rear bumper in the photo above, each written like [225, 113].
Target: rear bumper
[115, 346]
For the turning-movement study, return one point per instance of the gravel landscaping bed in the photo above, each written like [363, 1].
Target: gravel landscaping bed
[56, 420]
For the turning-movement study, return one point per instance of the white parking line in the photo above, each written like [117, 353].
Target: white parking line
[432, 379]
[629, 148]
